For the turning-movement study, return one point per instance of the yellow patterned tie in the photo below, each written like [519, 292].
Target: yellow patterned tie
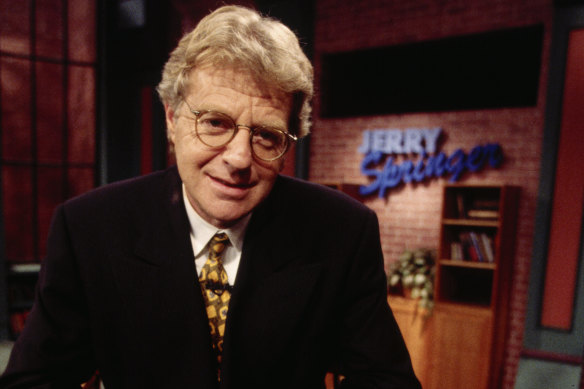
[215, 287]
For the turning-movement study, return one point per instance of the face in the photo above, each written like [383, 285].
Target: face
[225, 184]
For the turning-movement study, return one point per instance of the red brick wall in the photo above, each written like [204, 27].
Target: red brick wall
[409, 215]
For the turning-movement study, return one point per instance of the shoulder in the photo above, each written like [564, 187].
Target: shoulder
[302, 189]
[137, 186]
[317, 202]
[128, 196]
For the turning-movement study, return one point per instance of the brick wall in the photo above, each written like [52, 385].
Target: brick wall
[409, 215]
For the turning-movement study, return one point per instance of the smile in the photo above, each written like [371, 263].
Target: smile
[232, 185]
[232, 191]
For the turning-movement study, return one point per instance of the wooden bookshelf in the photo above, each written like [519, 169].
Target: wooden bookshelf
[473, 278]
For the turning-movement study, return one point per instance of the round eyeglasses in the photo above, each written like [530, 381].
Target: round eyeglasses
[216, 129]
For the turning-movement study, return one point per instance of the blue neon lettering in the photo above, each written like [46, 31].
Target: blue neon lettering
[427, 167]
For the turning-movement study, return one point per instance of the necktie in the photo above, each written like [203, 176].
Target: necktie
[215, 288]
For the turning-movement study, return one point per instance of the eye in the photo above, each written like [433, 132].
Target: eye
[268, 137]
[214, 122]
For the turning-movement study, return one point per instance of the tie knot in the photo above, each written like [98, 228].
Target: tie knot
[218, 243]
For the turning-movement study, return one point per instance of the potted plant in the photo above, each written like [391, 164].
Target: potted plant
[413, 276]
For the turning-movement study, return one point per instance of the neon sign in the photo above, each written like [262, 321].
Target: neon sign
[379, 143]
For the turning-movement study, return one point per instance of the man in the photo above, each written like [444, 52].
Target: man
[220, 272]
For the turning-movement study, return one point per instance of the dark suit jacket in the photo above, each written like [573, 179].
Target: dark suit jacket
[119, 292]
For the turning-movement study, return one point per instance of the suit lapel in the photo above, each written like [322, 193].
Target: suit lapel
[165, 246]
[273, 287]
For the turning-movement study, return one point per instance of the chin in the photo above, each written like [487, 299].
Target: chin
[228, 215]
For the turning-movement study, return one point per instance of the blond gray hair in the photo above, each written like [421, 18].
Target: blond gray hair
[235, 36]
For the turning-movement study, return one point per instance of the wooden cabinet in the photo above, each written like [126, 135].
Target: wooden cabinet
[449, 349]
[462, 347]
[462, 344]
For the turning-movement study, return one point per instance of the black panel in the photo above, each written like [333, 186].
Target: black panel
[134, 46]
[489, 70]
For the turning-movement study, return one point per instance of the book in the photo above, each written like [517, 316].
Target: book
[483, 214]
[460, 206]
[468, 251]
[456, 253]
[473, 246]
[474, 238]
[492, 204]
[488, 247]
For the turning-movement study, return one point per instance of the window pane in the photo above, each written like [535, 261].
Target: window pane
[15, 26]
[49, 100]
[81, 180]
[16, 112]
[81, 114]
[18, 213]
[50, 194]
[81, 15]
[49, 28]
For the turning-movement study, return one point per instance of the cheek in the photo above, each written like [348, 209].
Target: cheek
[267, 178]
[191, 161]
[268, 171]
[189, 150]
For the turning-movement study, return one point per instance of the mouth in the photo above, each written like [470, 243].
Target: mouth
[230, 189]
[232, 184]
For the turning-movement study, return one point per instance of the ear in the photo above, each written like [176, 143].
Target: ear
[170, 117]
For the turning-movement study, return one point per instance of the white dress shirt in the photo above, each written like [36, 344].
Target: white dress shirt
[201, 234]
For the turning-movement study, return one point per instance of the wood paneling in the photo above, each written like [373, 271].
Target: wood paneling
[416, 329]
[462, 348]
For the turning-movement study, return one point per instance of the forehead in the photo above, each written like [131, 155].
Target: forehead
[234, 89]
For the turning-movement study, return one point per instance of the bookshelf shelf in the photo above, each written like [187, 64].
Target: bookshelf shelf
[467, 264]
[471, 223]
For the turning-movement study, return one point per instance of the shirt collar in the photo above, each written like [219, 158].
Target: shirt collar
[202, 231]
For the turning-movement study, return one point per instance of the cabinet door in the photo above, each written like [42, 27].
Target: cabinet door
[462, 348]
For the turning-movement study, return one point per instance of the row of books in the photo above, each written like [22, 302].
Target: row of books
[473, 246]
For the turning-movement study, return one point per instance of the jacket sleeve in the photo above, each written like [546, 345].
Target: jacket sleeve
[54, 349]
[372, 350]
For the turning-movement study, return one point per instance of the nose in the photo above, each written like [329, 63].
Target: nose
[238, 152]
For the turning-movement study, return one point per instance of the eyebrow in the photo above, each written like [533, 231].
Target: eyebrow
[282, 127]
